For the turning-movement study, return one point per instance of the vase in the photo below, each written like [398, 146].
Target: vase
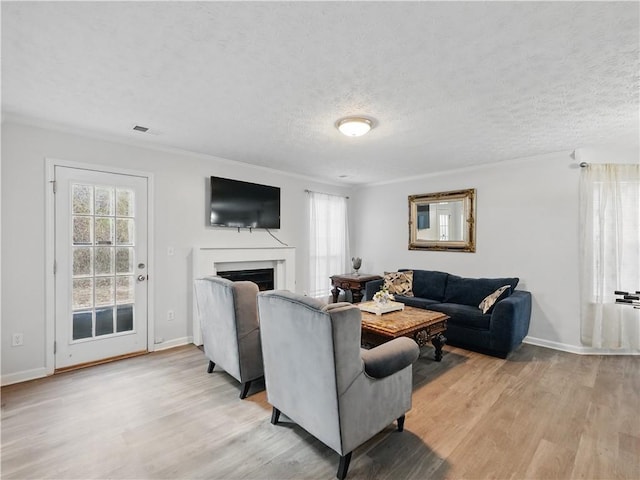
[357, 263]
[381, 301]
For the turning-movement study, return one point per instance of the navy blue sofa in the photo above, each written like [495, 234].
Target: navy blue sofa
[497, 333]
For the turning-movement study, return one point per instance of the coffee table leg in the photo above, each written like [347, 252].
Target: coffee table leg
[438, 342]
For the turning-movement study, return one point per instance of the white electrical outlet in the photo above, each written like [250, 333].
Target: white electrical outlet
[171, 315]
[17, 339]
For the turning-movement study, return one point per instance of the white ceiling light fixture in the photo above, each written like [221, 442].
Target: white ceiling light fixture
[354, 126]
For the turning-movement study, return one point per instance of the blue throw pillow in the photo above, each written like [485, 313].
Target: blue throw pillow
[429, 284]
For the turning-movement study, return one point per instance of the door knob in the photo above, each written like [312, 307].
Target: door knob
[141, 278]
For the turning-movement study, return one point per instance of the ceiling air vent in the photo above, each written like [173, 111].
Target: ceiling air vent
[139, 128]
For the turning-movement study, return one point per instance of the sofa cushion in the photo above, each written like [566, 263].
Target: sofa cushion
[471, 291]
[490, 300]
[399, 283]
[429, 284]
[463, 315]
[415, 301]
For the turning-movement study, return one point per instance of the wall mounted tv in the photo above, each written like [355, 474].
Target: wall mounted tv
[244, 205]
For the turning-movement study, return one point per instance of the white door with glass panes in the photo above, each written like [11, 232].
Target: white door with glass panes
[101, 265]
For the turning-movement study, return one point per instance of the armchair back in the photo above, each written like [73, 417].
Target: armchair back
[230, 327]
[314, 371]
[310, 358]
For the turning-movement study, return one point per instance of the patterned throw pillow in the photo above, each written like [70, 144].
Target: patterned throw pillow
[489, 301]
[399, 283]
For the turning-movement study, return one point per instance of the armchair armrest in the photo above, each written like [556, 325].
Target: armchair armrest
[510, 321]
[332, 306]
[390, 357]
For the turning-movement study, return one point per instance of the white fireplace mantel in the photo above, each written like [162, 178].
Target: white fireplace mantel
[210, 260]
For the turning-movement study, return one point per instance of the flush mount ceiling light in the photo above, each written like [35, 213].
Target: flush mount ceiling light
[354, 126]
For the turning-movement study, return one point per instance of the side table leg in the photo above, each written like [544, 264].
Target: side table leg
[438, 342]
[335, 291]
[356, 295]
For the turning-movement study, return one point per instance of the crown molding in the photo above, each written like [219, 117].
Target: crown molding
[9, 117]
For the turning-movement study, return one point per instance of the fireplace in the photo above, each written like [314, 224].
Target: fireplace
[263, 277]
[219, 260]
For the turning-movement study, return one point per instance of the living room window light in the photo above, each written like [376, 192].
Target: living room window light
[610, 254]
[328, 240]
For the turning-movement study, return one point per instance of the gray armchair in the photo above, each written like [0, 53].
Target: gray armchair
[228, 314]
[318, 376]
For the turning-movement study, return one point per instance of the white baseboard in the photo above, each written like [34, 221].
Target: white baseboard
[564, 347]
[24, 376]
[176, 342]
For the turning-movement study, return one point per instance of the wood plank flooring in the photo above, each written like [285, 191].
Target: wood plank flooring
[541, 414]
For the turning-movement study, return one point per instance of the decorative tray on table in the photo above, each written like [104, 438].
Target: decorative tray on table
[380, 308]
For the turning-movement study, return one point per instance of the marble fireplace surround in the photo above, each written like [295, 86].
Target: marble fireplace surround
[210, 260]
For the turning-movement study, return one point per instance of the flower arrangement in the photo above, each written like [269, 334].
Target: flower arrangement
[382, 296]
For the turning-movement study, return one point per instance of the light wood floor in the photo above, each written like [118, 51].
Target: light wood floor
[541, 414]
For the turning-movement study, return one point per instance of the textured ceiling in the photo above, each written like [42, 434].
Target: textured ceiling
[449, 84]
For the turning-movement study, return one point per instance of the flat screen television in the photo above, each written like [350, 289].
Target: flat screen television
[244, 205]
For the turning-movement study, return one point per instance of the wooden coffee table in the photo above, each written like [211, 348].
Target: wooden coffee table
[422, 325]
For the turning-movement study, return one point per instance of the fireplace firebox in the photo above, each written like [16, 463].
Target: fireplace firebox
[263, 277]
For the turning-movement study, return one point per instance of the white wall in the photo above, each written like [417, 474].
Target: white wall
[527, 226]
[180, 216]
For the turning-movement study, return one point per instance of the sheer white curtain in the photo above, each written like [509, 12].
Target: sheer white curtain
[328, 241]
[610, 254]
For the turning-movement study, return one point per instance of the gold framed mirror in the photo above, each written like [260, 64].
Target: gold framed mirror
[443, 221]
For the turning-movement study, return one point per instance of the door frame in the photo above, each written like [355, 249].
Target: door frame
[50, 294]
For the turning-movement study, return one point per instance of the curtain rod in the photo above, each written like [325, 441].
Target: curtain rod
[325, 193]
[581, 164]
